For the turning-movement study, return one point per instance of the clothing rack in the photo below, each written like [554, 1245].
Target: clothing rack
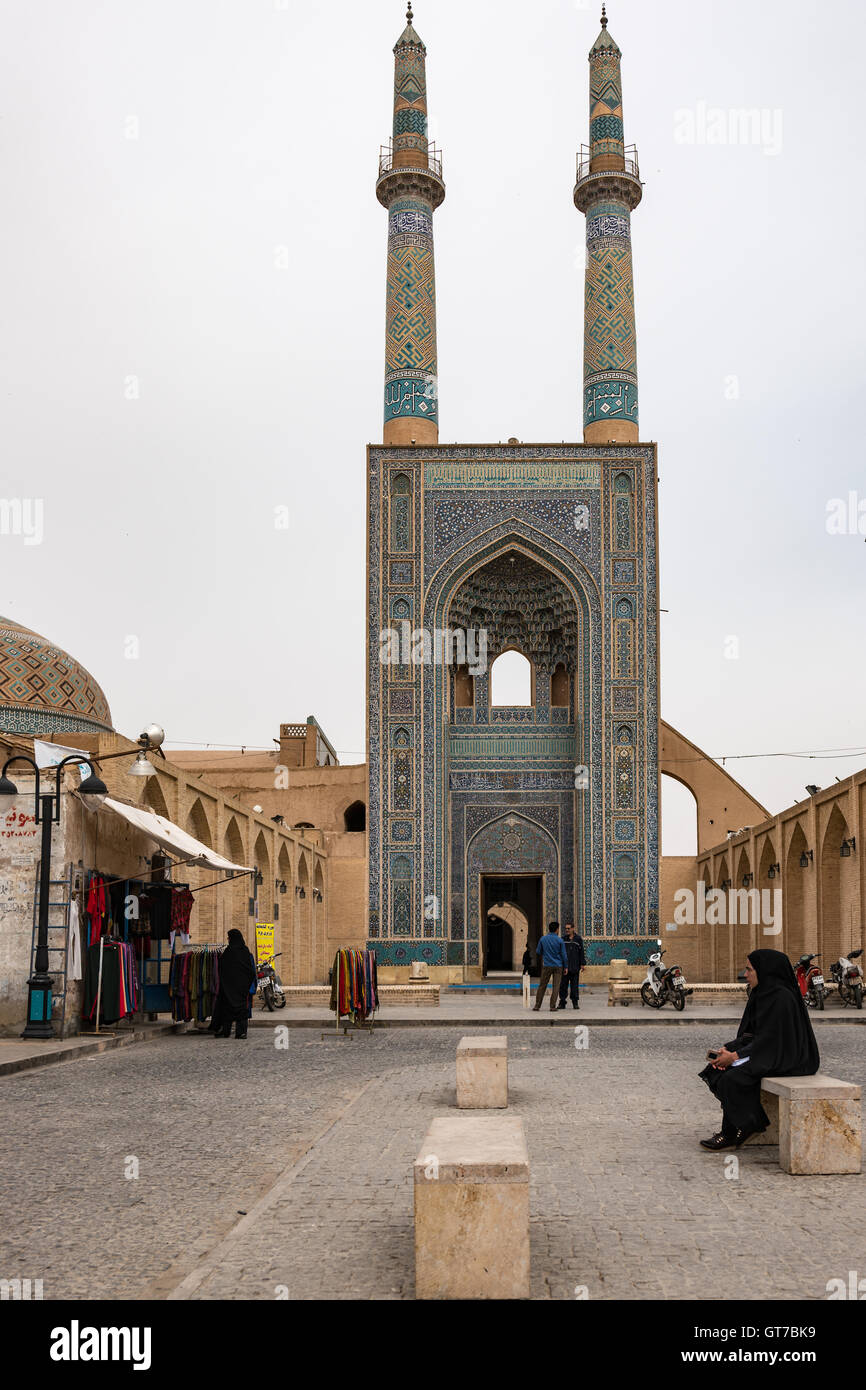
[187, 1007]
[354, 992]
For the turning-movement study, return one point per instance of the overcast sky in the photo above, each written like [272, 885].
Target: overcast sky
[193, 266]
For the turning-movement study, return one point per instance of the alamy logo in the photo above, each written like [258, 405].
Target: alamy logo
[715, 907]
[22, 1290]
[444, 646]
[855, 1288]
[22, 516]
[76, 1343]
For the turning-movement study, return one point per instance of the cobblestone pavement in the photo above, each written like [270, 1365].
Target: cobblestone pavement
[316, 1143]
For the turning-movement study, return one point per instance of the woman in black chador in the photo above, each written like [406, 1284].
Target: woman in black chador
[237, 973]
[775, 1039]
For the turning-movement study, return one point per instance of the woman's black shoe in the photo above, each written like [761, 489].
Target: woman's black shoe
[721, 1141]
[744, 1134]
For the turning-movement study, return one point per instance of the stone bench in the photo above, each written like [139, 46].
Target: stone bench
[710, 994]
[482, 1073]
[815, 1120]
[408, 995]
[471, 1181]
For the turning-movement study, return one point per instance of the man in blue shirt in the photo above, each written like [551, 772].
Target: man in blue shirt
[553, 960]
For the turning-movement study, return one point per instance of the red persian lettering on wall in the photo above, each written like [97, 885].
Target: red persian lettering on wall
[18, 825]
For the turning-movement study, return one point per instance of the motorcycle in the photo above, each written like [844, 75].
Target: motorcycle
[664, 983]
[848, 977]
[811, 981]
[270, 985]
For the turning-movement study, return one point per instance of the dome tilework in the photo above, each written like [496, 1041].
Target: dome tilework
[43, 689]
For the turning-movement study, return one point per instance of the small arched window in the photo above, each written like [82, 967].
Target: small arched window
[355, 816]
[511, 680]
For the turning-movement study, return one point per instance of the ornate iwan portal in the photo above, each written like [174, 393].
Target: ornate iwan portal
[550, 551]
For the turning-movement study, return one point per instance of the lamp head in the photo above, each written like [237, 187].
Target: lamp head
[93, 792]
[141, 767]
[8, 794]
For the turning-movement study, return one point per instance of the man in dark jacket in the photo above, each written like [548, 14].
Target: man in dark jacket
[553, 960]
[573, 944]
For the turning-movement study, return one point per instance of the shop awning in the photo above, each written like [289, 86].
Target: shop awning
[172, 838]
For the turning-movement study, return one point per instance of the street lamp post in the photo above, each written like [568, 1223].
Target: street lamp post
[40, 985]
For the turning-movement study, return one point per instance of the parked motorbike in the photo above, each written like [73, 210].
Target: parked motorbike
[848, 977]
[664, 983]
[270, 985]
[811, 981]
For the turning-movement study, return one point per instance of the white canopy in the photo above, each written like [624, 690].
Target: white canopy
[172, 838]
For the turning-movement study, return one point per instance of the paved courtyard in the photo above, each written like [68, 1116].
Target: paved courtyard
[315, 1144]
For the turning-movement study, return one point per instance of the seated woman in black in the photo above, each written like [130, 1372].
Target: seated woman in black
[775, 1038]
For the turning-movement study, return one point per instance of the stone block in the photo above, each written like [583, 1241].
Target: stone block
[471, 1181]
[482, 1073]
[819, 1123]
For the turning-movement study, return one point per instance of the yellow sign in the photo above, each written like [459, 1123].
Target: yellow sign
[264, 941]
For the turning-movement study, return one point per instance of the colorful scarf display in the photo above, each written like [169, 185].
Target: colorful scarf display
[354, 985]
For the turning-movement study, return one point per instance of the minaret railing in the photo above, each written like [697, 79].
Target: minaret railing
[386, 159]
[630, 162]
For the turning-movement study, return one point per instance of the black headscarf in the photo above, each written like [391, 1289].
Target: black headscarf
[775, 1030]
[237, 973]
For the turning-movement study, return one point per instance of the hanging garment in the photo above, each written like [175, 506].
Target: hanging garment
[73, 944]
[157, 903]
[182, 902]
[95, 908]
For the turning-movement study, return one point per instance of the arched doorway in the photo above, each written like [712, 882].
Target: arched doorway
[771, 929]
[721, 930]
[742, 901]
[204, 917]
[234, 896]
[510, 860]
[318, 926]
[301, 954]
[513, 937]
[284, 897]
[793, 896]
[840, 923]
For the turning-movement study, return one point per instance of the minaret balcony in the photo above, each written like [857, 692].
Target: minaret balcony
[621, 182]
[419, 179]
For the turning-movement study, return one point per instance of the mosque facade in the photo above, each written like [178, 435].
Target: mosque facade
[548, 550]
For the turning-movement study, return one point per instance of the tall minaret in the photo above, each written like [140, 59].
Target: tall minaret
[410, 186]
[608, 189]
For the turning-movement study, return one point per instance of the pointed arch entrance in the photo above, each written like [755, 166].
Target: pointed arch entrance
[525, 759]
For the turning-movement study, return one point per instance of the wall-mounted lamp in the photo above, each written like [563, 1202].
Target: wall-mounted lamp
[280, 884]
[317, 894]
[846, 847]
[300, 891]
[725, 884]
[806, 858]
[773, 870]
[258, 877]
[747, 879]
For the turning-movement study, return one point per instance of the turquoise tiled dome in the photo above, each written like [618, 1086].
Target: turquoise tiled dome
[43, 690]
